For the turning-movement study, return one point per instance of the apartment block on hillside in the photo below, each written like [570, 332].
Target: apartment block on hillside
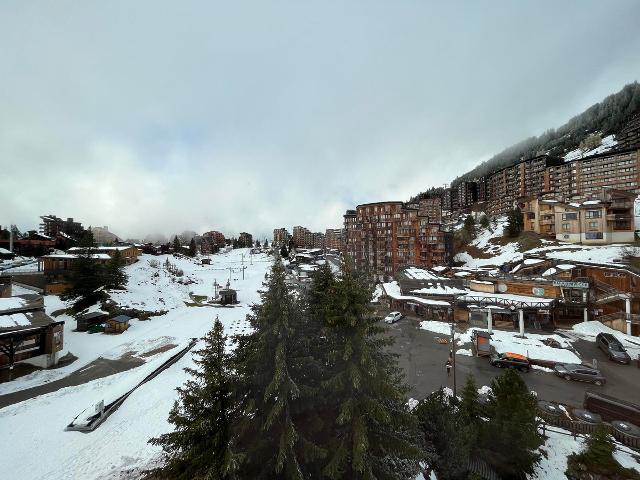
[383, 237]
[334, 238]
[600, 219]
[281, 236]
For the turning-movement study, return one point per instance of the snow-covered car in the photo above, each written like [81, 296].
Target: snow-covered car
[582, 373]
[393, 317]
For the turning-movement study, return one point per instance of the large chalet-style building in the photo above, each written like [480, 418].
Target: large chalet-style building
[382, 237]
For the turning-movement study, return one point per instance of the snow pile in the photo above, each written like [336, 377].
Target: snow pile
[532, 346]
[588, 331]
[560, 444]
[607, 144]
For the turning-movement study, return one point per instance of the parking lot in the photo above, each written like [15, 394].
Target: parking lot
[423, 360]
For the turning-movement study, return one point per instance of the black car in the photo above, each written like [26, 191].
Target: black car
[510, 360]
[612, 347]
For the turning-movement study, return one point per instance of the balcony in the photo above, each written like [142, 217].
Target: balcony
[615, 217]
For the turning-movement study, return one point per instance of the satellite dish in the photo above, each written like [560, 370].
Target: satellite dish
[502, 287]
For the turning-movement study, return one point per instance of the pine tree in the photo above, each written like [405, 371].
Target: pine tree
[201, 445]
[116, 277]
[177, 247]
[273, 366]
[597, 459]
[510, 439]
[446, 447]
[515, 222]
[469, 407]
[484, 221]
[374, 433]
[192, 248]
[284, 253]
[87, 276]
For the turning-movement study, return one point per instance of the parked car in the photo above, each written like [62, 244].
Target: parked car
[393, 317]
[612, 347]
[510, 360]
[582, 373]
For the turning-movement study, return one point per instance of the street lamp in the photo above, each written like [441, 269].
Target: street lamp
[453, 349]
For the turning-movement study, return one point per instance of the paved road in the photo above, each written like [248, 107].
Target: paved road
[423, 360]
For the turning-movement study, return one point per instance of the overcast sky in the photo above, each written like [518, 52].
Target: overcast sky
[157, 116]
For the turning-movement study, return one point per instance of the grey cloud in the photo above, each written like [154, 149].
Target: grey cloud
[164, 116]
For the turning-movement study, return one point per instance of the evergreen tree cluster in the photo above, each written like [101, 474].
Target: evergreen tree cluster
[515, 222]
[311, 393]
[503, 434]
[89, 276]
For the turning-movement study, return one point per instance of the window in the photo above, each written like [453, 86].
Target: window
[593, 225]
[593, 235]
[594, 214]
[566, 226]
[569, 216]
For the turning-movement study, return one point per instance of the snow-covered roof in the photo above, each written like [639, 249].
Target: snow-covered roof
[11, 303]
[505, 298]
[14, 320]
[532, 261]
[591, 202]
[438, 289]
[549, 271]
[420, 274]
[565, 266]
[61, 256]
[4, 251]
[392, 289]
[462, 274]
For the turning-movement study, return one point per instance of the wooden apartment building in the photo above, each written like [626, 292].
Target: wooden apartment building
[383, 237]
[604, 218]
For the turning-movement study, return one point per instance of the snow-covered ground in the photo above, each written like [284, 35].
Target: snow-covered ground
[607, 144]
[120, 443]
[532, 346]
[589, 330]
[560, 444]
[510, 252]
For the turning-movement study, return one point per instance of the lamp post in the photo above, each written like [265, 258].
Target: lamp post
[453, 349]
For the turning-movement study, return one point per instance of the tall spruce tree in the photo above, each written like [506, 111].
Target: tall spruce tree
[515, 222]
[201, 445]
[510, 439]
[276, 383]
[116, 277]
[374, 433]
[177, 247]
[446, 446]
[87, 275]
[193, 249]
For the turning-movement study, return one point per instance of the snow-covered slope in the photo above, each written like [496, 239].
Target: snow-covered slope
[120, 443]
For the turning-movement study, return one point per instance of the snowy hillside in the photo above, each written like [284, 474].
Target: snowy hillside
[496, 251]
[120, 443]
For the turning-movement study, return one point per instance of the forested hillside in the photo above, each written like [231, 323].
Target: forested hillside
[606, 117]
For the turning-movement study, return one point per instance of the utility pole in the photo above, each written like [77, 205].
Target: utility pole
[11, 230]
[453, 351]
[243, 269]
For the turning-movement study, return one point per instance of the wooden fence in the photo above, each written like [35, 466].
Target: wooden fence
[578, 428]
